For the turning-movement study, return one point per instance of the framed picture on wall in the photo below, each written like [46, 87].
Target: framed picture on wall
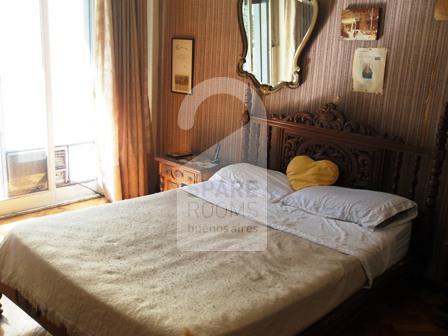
[182, 59]
[369, 67]
[360, 23]
[441, 10]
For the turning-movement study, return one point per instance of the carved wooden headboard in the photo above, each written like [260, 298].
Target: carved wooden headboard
[366, 158]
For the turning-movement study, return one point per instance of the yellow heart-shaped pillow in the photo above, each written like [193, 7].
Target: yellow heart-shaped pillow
[304, 172]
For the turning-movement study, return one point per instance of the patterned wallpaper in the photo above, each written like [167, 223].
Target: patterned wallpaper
[415, 86]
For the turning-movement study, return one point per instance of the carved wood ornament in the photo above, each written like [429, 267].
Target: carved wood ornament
[357, 164]
[329, 117]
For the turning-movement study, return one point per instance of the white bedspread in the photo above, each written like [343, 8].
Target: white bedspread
[117, 270]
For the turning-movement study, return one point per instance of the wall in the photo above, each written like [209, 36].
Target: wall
[415, 86]
[217, 46]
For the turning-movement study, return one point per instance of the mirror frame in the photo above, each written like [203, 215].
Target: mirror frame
[266, 88]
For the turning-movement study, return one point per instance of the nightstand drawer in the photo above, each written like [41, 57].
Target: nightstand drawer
[174, 175]
[181, 176]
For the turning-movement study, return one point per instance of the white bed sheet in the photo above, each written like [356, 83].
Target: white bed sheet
[377, 250]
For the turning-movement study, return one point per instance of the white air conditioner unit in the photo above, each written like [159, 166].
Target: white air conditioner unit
[61, 166]
[27, 170]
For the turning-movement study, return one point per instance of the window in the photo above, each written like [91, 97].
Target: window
[47, 124]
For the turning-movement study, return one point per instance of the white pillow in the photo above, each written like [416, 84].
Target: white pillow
[363, 207]
[258, 180]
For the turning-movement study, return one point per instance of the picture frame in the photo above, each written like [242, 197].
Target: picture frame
[182, 65]
[441, 10]
[369, 65]
[360, 24]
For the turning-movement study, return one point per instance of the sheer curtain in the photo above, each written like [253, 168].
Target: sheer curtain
[122, 105]
[283, 25]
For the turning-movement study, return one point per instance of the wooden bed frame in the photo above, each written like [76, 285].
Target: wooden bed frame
[366, 160]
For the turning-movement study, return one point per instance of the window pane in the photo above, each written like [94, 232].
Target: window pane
[72, 81]
[23, 115]
[72, 86]
[22, 81]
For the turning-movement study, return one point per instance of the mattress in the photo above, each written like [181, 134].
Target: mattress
[121, 269]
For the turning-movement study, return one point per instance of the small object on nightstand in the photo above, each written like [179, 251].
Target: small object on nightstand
[177, 173]
[179, 155]
[217, 156]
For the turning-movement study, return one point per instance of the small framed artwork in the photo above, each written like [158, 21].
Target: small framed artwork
[369, 67]
[360, 23]
[441, 10]
[182, 59]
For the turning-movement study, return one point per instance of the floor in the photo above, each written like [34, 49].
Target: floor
[55, 210]
[408, 311]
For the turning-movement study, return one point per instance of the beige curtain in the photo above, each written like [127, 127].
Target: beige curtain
[122, 105]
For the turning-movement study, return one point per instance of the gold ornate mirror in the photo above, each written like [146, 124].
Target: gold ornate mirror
[274, 34]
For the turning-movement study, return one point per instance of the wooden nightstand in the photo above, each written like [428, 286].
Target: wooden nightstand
[176, 173]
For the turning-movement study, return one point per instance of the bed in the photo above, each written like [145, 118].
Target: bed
[139, 267]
